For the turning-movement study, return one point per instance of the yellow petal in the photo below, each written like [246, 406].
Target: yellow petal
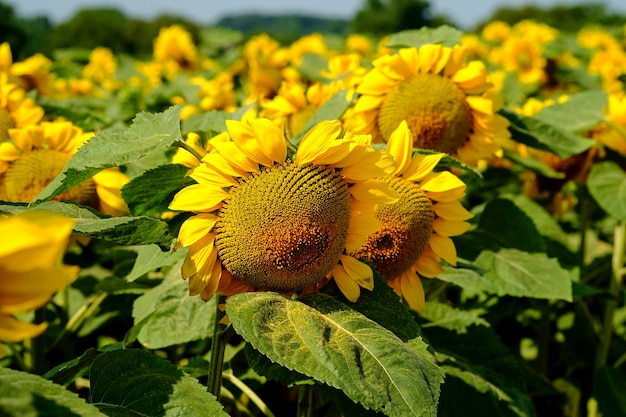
[350, 289]
[198, 197]
[374, 191]
[195, 228]
[361, 273]
[481, 104]
[443, 247]
[449, 228]
[271, 140]
[428, 264]
[12, 330]
[473, 78]
[236, 157]
[452, 210]
[218, 162]
[420, 166]
[429, 56]
[400, 147]
[376, 83]
[371, 164]
[206, 174]
[443, 186]
[413, 290]
[320, 141]
[363, 222]
[244, 136]
[213, 282]
[368, 102]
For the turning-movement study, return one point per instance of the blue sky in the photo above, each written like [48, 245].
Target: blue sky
[465, 12]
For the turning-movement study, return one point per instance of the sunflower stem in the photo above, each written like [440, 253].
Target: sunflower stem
[39, 345]
[615, 286]
[250, 393]
[191, 150]
[305, 401]
[218, 346]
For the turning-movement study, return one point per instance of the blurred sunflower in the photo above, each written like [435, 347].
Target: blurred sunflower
[612, 133]
[265, 222]
[414, 232]
[31, 272]
[444, 101]
[16, 110]
[35, 155]
[174, 45]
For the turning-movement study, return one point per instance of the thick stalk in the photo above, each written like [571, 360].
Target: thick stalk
[617, 264]
[191, 150]
[218, 346]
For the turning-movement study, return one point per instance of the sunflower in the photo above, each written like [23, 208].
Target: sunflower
[16, 110]
[414, 232]
[266, 222]
[35, 155]
[445, 102]
[613, 132]
[31, 272]
[175, 45]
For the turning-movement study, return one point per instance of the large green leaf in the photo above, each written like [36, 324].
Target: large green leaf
[151, 257]
[515, 273]
[483, 377]
[414, 38]
[166, 315]
[124, 230]
[148, 134]
[150, 193]
[607, 185]
[327, 340]
[23, 394]
[609, 387]
[578, 114]
[448, 317]
[135, 382]
[333, 109]
[545, 135]
[213, 121]
[510, 226]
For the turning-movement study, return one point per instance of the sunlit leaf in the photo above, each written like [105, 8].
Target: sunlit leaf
[148, 134]
[23, 394]
[327, 340]
[607, 185]
[414, 38]
[136, 382]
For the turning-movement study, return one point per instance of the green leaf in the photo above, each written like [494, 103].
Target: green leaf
[448, 317]
[578, 114]
[607, 185]
[327, 340]
[545, 135]
[445, 35]
[213, 121]
[533, 164]
[124, 230]
[510, 226]
[483, 377]
[312, 65]
[167, 315]
[23, 394]
[333, 109]
[148, 134]
[515, 273]
[135, 382]
[67, 372]
[150, 193]
[151, 257]
[609, 386]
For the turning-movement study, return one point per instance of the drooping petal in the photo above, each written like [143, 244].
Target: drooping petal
[449, 228]
[400, 147]
[195, 228]
[413, 290]
[443, 186]
[199, 198]
[205, 174]
[320, 144]
[271, 140]
[12, 330]
[443, 247]
[428, 264]
[359, 272]
[349, 288]
[244, 137]
[236, 157]
[452, 210]
[363, 222]
[374, 191]
[376, 83]
[420, 166]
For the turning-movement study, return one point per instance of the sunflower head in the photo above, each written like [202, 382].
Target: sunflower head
[444, 101]
[414, 232]
[267, 222]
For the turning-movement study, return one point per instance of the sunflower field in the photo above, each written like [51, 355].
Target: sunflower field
[432, 223]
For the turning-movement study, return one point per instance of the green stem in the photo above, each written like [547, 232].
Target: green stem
[617, 263]
[585, 214]
[221, 334]
[191, 150]
[251, 394]
[39, 345]
[543, 338]
[305, 401]
[77, 319]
